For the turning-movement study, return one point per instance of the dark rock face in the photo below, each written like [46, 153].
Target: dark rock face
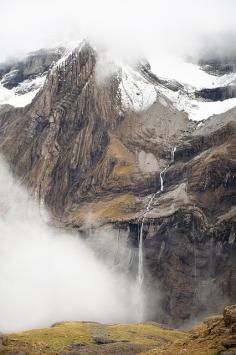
[216, 65]
[78, 135]
[230, 318]
[190, 232]
[217, 94]
[81, 153]
[35, 64]
[194, 267]
[66, 133]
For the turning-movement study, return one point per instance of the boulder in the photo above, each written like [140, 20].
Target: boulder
[230, 316]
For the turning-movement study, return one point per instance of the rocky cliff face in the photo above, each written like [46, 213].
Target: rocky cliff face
[86, 152]
[16, 71]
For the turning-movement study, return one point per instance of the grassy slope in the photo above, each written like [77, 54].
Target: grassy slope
[82, 338]
[123, 339]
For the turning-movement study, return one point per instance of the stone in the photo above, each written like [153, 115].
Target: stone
[229, 315]
[103, 340]
[233, 328]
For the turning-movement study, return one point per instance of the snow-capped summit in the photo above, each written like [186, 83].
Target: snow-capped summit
[21, 79]
[189, 87]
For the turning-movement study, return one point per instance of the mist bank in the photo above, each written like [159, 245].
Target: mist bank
[131, 29]
[47, 275]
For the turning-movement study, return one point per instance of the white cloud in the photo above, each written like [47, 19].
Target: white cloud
[47, 275]
[127, 27]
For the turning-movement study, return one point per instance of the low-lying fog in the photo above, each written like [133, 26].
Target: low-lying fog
[47, 275]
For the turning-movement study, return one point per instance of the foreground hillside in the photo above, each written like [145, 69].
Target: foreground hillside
[91, 338]
[216, 335]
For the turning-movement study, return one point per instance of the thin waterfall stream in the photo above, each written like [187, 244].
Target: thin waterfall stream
[140, 277]
[173, 150]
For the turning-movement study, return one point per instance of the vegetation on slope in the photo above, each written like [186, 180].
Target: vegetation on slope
[215, 336]
[92, 338]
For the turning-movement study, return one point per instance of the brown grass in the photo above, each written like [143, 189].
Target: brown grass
[107, 209]
[64, 335]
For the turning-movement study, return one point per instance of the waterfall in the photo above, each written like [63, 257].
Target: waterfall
[140, 249]
[173, 150]
[140, 277]
[140, 257]
[195, 269]
[116, 253]
[161, 178]
[195, 273]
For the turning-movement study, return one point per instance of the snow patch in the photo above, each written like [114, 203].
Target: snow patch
[23, 94]
[70, 47]
[197, 110]
[137, 93]
[170, 67]
[203, 109]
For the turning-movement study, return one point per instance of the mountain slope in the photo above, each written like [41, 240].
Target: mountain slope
[96, 152]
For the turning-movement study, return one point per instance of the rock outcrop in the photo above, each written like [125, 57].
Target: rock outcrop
[212, 336]
[230, 318]
[90, 159]
[15, 71]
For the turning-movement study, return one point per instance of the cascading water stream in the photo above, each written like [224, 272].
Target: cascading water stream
[140, 278]
[173, 150]
[195, 269]
[140, 263]
[161, 178]
[140, 250]
[116, 254]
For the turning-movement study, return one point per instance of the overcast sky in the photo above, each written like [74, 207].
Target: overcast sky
[127, 27]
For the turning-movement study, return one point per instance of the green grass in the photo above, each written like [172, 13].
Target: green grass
[62, 335]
